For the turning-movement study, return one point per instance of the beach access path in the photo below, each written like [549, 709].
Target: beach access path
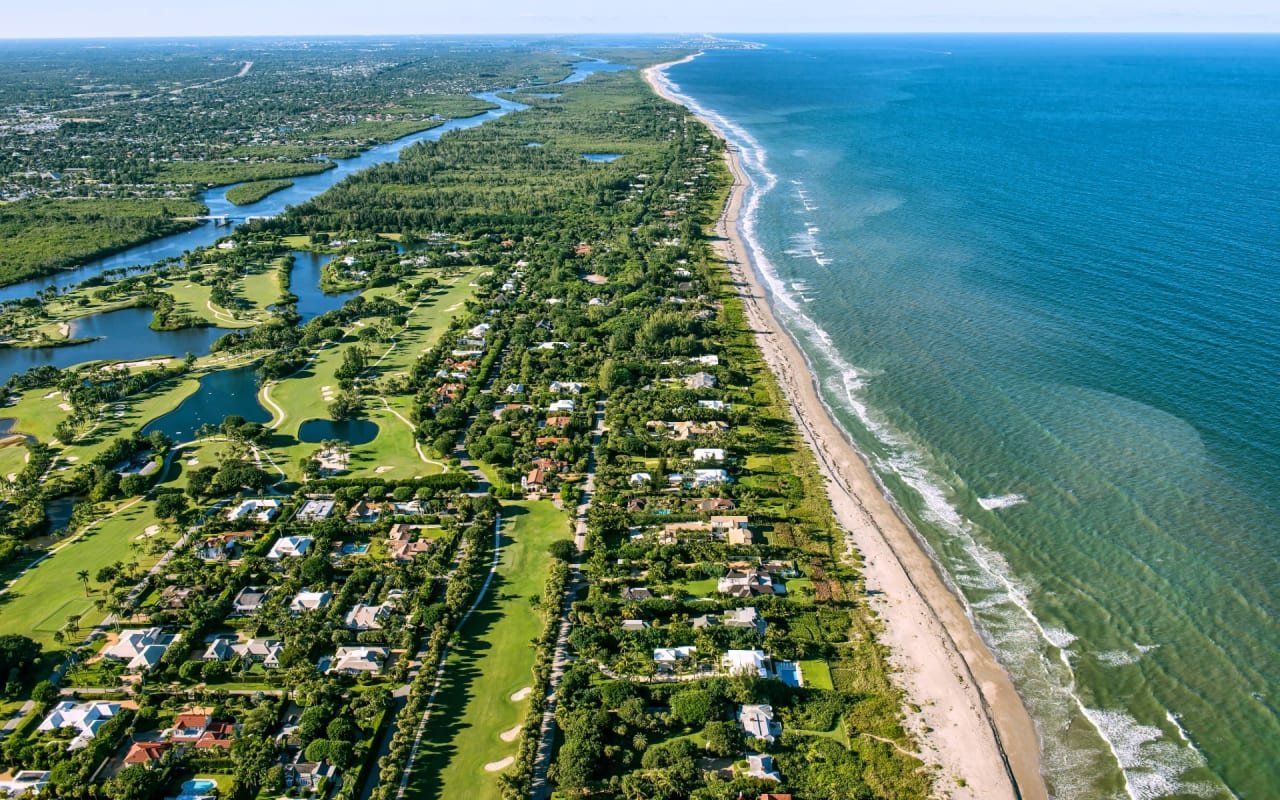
[971, 721]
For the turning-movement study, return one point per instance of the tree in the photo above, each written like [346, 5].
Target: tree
[724, 738]
[83, 576]
[45, 694]
[563, 549]
[171, 505]
[694, 707]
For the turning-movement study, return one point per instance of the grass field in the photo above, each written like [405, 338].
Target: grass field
[259, 288]
[493, 660]
[42, 599]
[817, 675]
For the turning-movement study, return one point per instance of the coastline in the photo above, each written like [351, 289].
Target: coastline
[971, 721]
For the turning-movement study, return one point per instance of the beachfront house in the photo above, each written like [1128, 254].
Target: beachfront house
[757, 722]
[746, 662]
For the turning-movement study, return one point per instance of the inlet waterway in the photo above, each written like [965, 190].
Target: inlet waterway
[303, 189]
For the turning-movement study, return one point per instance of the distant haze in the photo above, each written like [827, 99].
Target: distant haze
[93, 18]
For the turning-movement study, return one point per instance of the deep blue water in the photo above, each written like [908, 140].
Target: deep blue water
[1039, 280]
[352, 431]
[221, 394]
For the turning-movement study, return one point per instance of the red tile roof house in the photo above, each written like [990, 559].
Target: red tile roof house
[147, 753]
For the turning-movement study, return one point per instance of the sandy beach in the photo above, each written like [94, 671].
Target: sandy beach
[972, 724]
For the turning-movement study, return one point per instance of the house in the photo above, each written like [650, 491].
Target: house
[86, 718]
[290, 547]
[188, 728]
[24, 782]
[636, 594]
[769, 796]
[722, 525]
[557, 422]
[365, 512]
[714, 405]
[266, 651]
[676, 532]
[220, 649]
[140, 648]
[562, 405]
[308, 774]
[714, 504]
[757, 721]
[760, 765]
[746, 617]
[710, 477]
[746, 662]
[700, 380]
[635, 625]
[671, 655]
[550, 465]
[566, 387]
[749, 583]
[314, 511]
[535, 481]
[404, 550]
[514, 388]
[703, 454]
[256, 509]
[248, 600]
[364, 617]
[550, 441]
[310, 601]
[146, 753]
[707, 360]
[639, 478]
[704, 621]
[223, 546]
[177, 596]
[355, 660]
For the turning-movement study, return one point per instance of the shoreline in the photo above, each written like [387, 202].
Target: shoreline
[971, 722]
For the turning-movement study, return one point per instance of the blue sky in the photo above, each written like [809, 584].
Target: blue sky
[86, 18]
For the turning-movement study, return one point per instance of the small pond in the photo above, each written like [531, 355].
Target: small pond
[221, 394]
[602, 158]
[352, 431]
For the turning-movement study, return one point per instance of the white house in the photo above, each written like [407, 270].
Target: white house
[563, 405]
[354, 660]
[24, 782]
[86, 718]
[746, 662]
[140, 648]
[760, 765]
[314, 510]
[757, 721]
[310, 601]
[710, 477]
[290, 547]
[267, 651]
[701, 454]
[639, 478]
[714, 405]
[563, 387]
[364, 617]
[258, 509]
[670, 655]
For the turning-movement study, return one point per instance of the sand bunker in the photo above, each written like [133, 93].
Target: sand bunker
[522, 694]
[381, 470]
[494, 766]
[510, 736]
[64, 406]
[51, 395]
[151, 530]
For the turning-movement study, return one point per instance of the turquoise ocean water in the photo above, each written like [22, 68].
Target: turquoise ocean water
[1039, 281]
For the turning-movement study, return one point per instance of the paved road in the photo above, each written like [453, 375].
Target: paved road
[540, 787]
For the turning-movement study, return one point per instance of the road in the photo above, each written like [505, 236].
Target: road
[540, 788]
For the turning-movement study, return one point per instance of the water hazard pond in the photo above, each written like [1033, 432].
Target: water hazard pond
[221, 394]
[352, 431]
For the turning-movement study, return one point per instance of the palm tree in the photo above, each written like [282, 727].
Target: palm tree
[83, 575]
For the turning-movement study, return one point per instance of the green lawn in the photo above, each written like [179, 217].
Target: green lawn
[259, 288]
[493, 660]
[42, 599]
[817, 675]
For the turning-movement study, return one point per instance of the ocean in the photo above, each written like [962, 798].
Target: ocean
[1038, 279]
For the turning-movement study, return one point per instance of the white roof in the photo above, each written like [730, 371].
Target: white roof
[310, 601]
[746, 662]
[365, 617]
[708, 454]
[640, 477]
[667, 654]
[87, 718]
[290, 547]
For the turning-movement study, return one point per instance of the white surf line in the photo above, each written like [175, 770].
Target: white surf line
[444, 656]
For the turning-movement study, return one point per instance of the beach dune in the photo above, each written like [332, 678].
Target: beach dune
[972, 724]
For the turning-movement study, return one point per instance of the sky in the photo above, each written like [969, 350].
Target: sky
[96, 18]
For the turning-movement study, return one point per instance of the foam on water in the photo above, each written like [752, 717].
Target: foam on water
[1001, 501]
